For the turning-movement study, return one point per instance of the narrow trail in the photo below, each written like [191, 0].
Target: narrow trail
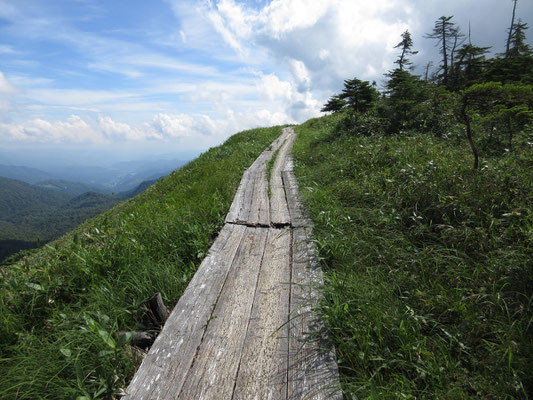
[244, 328]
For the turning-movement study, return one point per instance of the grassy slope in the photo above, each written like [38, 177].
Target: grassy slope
[429, 265]
[61, 307]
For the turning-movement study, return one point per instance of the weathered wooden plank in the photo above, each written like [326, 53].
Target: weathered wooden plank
[251, 205]
[212, 376]
[241, 209]
[263, 367]
[259, 213]
[296, 209]
[313, 371]
[242, 197]
[163, 371]
[279, 211]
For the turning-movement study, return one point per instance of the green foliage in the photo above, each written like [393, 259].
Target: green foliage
[357, 96]
[334, 104]
[402, 104]
[62, 306]
[469, 65]
[428, 265]
[519, 47]
[506, 108]
[446, 34]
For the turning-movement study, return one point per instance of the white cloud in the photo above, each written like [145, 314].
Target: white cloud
[183, 36]
[182, 125]
[4, 49]
[272, 88]
[7, 95]
[300, 74]
[6, 88]
[73, 130]
[224, 66]
[117, 131]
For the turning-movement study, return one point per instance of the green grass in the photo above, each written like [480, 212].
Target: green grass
[61, 307]
[428, 264]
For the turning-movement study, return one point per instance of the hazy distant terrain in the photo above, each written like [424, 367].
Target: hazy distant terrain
[37, 206]
[118, 177]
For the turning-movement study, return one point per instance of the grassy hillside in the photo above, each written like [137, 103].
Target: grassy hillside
[429, 264]
[61, 308]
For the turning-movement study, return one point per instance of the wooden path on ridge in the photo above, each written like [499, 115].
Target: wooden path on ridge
[243, 328]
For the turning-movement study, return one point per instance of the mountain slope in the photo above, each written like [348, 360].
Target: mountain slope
[19, 198]
[62, 306]
[24, 174]
[68, 187]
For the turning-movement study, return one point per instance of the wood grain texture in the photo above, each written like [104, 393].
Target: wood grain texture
[279, 211]
[213, 374]
[313, 371]
[251, 205]
[245, 327]
[263, 369]
[162, 372]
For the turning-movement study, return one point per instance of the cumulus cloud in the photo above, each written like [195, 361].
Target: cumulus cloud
[193, 129]
[320, 41]
[73, 130]
[309, 46]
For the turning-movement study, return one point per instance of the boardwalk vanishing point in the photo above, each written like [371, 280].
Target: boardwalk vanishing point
[244, 327]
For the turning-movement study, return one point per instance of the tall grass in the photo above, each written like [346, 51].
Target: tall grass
[429, 265]
[61, 307]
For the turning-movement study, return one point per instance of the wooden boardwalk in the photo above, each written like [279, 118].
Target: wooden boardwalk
[244, 328]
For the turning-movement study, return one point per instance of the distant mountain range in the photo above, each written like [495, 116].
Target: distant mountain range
[39, 205]
[37, 211]
[119, 177]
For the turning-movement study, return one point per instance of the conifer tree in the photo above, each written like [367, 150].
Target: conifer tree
[334, 104]
[359, 95]
[508, 44]
[469, 64]
[405, 45]
[446, 34]
[519, 47]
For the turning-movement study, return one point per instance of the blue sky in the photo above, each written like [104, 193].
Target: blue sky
[162, 76]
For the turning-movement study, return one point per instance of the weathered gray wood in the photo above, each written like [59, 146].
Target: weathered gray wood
[251, 205]
[229, 336]
[296, 209]
[263, 367]
[212, 376]
[163, 371]
[259, 211]
[279, 212]
[238, 201]
[313, 371]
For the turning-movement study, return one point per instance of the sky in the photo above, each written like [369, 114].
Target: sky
[98, 80]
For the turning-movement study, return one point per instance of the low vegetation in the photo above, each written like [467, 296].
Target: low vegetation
[429, 272]
[421, 197]
[421, 200]
[61, 307]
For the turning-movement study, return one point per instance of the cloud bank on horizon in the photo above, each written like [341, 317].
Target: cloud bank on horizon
[190, 73]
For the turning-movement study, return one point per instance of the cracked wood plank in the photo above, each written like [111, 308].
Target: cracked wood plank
[229, 336]
[313, 371]
[251, 204]
[279, 211]
[263, 369]
[162, 372]
[213, 374]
